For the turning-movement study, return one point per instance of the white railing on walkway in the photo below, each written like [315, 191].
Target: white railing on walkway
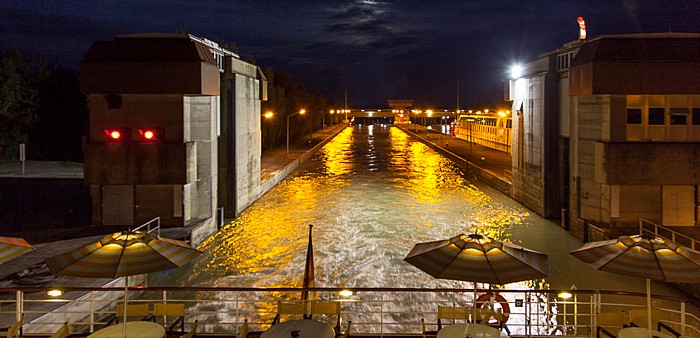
[373, 311]
[150, 226]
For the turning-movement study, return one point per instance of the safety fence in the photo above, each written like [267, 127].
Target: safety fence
[373, 311]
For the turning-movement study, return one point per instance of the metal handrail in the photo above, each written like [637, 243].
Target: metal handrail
[147, 225]
[667, 233]
[373, 311]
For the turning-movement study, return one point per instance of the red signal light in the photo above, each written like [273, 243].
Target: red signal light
[149, 134]
[114, 134]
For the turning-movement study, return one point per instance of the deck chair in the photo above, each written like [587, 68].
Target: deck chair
[328, 308]
[609, 323]
[289, 309]
[133, 311]
[193, 331]
[243, 331]
[450, 313]
[638, 317]
[62, 332]
[176, 311]
[16, 329]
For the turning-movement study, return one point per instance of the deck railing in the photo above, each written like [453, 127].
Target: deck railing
[373, 311]
[651, 228]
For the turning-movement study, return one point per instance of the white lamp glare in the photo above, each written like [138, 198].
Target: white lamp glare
[516, 71]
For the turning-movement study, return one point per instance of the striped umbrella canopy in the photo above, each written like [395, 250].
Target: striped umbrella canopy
[643, 256]
[478, 258]
[121, 254]
[11, 247]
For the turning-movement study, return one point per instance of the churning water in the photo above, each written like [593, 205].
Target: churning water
[371, 194]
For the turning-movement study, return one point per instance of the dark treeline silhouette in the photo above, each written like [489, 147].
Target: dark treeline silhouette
[286, 97]
[41, 106]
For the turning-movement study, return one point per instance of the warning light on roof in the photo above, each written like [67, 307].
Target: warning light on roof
[581, 28]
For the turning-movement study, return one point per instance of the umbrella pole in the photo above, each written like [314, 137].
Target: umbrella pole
[649, 305]
[126, 289]
[474, 311]
[474, 304]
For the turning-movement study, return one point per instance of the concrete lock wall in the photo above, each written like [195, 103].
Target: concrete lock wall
[240, 137]
[248, 143]
[528, 157]
[201, 111]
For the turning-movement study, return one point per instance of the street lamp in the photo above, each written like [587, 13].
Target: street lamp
[301, 112]
[268, 115]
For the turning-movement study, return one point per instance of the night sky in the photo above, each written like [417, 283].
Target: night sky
[383, 49]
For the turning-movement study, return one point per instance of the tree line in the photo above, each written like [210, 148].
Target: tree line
[284, 98]
[42, 107]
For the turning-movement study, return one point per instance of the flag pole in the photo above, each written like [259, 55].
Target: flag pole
[308, 281]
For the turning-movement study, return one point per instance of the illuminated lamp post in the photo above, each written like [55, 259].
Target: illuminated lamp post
[268, 115]
[301, 112]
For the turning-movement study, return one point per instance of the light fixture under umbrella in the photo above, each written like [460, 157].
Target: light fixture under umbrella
[643, 256]
[12, 247]
[123, 254]
[478, 258]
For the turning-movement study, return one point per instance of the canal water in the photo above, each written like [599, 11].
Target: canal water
[371, 194]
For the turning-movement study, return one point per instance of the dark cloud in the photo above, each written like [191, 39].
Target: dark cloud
[382, 49]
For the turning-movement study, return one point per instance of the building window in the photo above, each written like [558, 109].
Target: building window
[634, 116]
[679, 120]
[114, 101]
[679, 116]
[656, 116]
[696, 116]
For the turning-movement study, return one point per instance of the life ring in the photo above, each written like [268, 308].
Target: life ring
[488, 310]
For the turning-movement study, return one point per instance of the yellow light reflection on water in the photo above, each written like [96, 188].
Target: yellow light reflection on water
[336, 155]
[430, 173]
[418, 201]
